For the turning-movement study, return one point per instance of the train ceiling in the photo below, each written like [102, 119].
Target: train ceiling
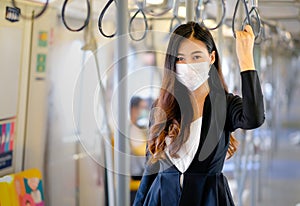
[284, 14]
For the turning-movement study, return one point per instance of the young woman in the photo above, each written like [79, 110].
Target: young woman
[192, 120]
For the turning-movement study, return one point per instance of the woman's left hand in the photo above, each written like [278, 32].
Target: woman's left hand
[244, 48]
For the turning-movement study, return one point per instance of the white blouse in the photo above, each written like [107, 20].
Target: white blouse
[188, 150]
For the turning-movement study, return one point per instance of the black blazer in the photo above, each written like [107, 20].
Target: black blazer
[204, 183]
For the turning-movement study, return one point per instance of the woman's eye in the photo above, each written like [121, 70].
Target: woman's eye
[179, 59]
[197, 57]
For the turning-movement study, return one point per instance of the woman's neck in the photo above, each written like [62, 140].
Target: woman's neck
[197, 98]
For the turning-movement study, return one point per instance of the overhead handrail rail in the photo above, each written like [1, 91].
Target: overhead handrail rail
[140, 10]
[86, 22]
[252, 13]
[101, 19]
[35, 16]
[175, 16]
[200, 11]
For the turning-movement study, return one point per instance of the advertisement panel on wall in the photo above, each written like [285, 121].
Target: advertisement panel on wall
[7, 135]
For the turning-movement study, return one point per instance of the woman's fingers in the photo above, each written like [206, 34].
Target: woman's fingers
[249, 30]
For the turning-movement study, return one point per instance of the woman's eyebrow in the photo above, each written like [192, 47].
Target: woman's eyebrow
[195, 52]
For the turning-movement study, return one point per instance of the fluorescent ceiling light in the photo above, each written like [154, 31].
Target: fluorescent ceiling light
[182, 11]
[155, 2]
[210, 23]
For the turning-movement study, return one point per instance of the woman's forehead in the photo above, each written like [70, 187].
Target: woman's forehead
[191, 44]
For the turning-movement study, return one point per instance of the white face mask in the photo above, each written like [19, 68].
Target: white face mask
[192, 75]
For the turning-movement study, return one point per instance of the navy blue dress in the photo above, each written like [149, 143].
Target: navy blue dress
[204, 183]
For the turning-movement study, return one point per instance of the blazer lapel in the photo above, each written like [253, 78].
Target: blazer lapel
[214, 117]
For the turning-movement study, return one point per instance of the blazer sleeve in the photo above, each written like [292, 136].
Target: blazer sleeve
[246, 112]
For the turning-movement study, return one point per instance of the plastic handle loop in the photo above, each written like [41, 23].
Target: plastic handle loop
[254, 14]
[234, 16]
[199, 14]
[86, 22]
[247, 19]
[35, 16]
[145, 23]
[101, 19]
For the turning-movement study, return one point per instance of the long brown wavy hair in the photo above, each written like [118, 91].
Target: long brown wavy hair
[173, 108]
